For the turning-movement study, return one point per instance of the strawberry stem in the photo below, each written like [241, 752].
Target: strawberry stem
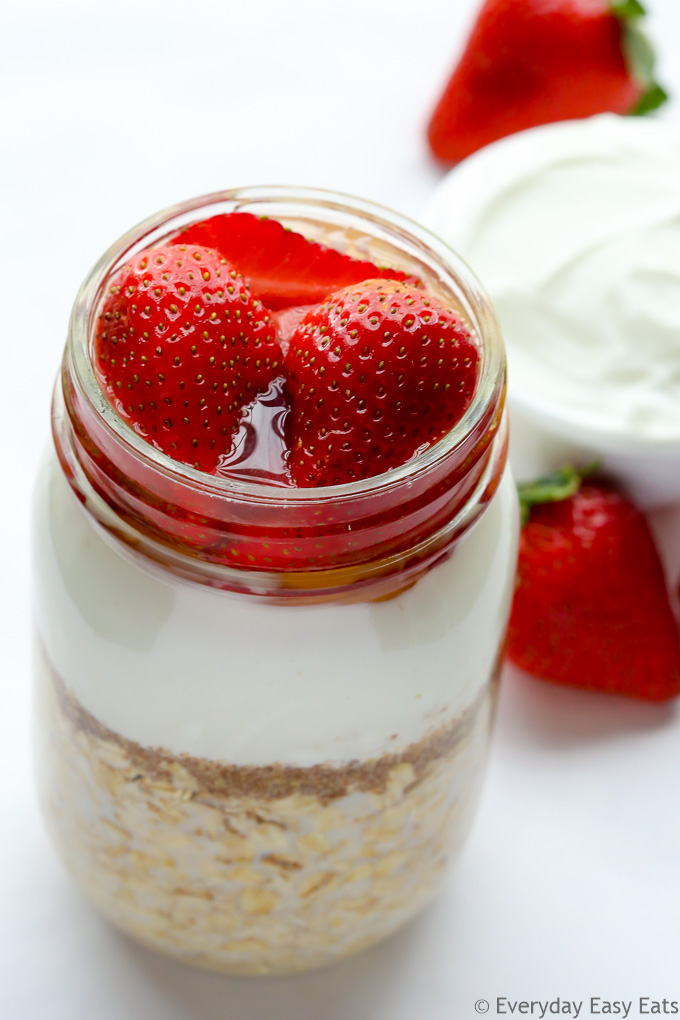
[554, 488]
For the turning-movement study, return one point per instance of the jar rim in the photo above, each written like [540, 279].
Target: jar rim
[450, 268]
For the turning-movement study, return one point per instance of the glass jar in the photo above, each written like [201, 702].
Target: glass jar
[260, 770]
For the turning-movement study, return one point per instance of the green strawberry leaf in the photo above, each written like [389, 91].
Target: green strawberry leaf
[627, 9]
[641, 62]
[652, 99]
[554, 488]
[639, 54]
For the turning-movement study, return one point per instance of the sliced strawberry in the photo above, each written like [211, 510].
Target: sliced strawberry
[282, 267]
[376, 374]
[182, 348]
[591, 607]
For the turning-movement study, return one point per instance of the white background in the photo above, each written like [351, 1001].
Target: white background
[570, 884]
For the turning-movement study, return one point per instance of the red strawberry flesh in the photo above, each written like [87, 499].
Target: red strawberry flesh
[376, 374]
[282, 267]
[531, 62]
[182, 348]
[591, 607]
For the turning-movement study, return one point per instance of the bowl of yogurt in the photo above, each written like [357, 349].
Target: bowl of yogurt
[575, 230]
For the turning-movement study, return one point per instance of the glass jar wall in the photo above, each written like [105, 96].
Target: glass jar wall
[263, 770]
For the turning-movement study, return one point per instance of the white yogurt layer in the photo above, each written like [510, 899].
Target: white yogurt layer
[574, 229]
[172, 664]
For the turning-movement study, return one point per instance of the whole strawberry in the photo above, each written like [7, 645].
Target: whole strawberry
[376, 374]
[591, 607]
[530, 62]
[182, 347]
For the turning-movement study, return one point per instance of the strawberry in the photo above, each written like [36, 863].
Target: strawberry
[591, 608]
[282, 267]
[182, 348]
[530, 62]
[376, 374]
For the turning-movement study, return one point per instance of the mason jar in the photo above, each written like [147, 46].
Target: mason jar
[260, 768]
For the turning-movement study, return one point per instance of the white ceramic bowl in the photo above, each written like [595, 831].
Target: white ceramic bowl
[547, 433]
[541, 441]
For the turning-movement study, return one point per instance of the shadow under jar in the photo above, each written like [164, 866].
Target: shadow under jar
[264, 770]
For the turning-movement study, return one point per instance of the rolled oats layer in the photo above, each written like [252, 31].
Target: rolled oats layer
[254, 869]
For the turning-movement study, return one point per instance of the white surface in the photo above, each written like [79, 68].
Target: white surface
[569, 886]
